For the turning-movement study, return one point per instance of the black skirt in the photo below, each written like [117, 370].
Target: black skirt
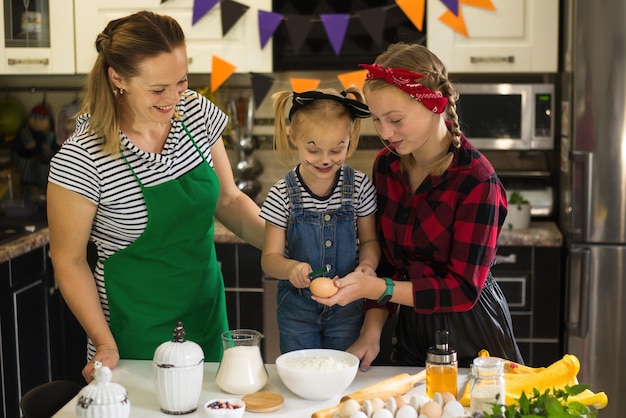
[487, 326]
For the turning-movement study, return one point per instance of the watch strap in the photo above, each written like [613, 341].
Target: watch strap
[385, 297]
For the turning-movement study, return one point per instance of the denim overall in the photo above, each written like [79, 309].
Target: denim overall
[320, 239]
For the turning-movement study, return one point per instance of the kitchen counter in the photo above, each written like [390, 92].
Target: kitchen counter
[136, 377]
[538, 234]
[541, 234]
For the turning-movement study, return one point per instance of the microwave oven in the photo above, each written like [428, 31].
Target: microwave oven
[507, 116]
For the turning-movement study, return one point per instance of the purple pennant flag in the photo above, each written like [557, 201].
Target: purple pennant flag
[298, 27]
[452, 5]
[374, 22]
[335, 25]
[268, 22]
[231, 13]
[201, 8]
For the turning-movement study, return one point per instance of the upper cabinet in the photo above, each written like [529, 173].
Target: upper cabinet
[240, 47]
[519, 36]
[37, 38]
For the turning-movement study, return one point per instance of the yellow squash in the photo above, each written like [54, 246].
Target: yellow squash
[519, 378]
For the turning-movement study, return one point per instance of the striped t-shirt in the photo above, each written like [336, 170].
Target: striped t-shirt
[277, 206]
[107, 181]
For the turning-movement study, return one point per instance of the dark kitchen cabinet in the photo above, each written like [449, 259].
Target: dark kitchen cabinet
[25, 360]
[530, 278]
[243, 281]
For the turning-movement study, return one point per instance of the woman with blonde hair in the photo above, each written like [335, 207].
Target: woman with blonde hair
[441, 208]
[142, 177]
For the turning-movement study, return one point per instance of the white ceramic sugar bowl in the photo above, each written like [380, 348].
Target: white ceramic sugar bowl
[102, 398]
[178, 368]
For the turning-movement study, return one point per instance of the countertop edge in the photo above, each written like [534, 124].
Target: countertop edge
[538, 234]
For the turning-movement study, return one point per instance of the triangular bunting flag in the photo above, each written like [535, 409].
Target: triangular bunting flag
[356, 78]
[482, 4]
[452, 5]
[268, 22]
[261, 84]
[335, 25]
[201, 8]
[373, 21]
[220, 72]
[231, 13]
[304, 84]
[457, 23]
[414, 10]
[163, 1]
[298, 27]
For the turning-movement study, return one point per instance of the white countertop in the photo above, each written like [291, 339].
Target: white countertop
[136, 377]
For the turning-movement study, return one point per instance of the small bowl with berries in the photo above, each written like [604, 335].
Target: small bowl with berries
[232, 408]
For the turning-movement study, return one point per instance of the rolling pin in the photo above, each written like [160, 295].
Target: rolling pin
[394, 386]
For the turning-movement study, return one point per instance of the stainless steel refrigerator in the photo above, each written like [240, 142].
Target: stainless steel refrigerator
[593, 192]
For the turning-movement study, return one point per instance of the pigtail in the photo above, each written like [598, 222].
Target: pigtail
[282, 145]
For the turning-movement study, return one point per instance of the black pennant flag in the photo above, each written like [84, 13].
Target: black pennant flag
[374, 22]
[298, 27]
[231, 13]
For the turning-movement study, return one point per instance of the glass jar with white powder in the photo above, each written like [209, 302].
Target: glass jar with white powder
[241, 370]
[487, 384]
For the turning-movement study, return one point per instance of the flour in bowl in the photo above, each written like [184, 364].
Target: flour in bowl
[318, 364]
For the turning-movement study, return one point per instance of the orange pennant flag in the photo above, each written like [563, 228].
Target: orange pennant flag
[303, 84]
[220, 72]
[455, 22]
[356, 78]
[414, 10]
[482, 4]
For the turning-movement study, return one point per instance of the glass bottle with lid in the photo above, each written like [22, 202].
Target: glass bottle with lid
[486, 384]
[441, 367]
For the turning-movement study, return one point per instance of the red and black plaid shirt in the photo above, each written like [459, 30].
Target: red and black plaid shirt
[443, 236]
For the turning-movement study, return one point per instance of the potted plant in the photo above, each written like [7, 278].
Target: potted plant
[518, 216]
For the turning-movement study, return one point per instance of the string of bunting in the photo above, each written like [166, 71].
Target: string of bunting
[335, 25]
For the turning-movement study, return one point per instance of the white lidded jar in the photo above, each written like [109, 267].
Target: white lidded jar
[102, 398]
[178, 368]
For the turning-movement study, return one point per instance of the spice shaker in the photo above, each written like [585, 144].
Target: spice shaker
[441, 367]
[102, 398]
[486, 384]
[178, 368]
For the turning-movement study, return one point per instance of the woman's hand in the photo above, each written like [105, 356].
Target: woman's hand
[108, 356]
[366, 349]
[354, 286]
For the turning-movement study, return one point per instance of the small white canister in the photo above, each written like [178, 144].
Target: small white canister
[178, 368]
[102, 398]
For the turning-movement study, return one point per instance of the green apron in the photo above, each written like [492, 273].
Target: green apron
[170, 273]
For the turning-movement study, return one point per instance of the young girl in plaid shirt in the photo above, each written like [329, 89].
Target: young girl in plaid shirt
[441, 207]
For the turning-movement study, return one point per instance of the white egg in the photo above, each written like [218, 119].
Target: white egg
[368, 408]
[359, 414]
[391, 405]
[406, 411]
[382, 413]
[377, 404]
[349, 407]
[453, 409]
[418, 400]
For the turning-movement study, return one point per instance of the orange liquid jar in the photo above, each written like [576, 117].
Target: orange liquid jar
[441, 367]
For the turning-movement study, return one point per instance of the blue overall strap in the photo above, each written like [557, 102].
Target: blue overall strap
[293, 191]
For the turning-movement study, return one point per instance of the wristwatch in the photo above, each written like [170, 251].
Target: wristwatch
[384, 298]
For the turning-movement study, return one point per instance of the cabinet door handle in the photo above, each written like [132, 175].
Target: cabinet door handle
[493, 60]
[506, 259]
[29, 61]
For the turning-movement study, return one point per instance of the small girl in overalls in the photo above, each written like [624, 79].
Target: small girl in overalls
[320, 216]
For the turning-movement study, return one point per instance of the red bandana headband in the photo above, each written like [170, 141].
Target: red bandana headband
[405, 81]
